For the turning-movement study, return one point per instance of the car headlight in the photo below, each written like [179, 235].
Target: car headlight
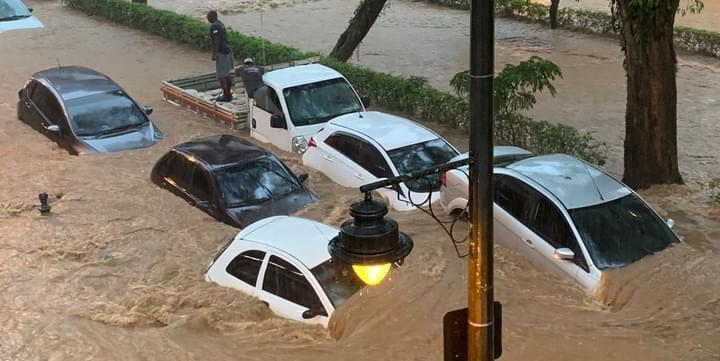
[299, 144]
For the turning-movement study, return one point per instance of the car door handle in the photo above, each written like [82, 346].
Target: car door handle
[328, 158]
[265, 303]
[359, 176]
[529, 243]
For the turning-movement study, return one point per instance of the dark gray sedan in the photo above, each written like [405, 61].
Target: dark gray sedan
[85, 111]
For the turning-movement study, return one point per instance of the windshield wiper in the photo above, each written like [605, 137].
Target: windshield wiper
[117, 130]
[14, 17]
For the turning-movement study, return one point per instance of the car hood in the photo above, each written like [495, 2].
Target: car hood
[27, 23]
[244, 216]
[137, 138]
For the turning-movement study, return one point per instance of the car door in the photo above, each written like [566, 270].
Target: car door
[243, 271]
[178, 175]
[201, 191]
[46, 112]
[352, 161]
[267, 104]
[551, 231]
[511, 219]
[288, 292]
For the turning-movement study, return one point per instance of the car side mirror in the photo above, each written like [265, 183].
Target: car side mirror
[277, 121]
[670, 223]
[30, 9]
[303, 177]
[564, 254]
[53, 128]
[365, 100]
[310, 313]
[148, 110]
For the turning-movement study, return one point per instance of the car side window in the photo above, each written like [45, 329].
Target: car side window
[246, 266]
[513, 196]
[267, 100]
[179, 170]
[201, 184]
[548, 222]
[284, 280]
[47, 104]
[30, 88]
[360, 152]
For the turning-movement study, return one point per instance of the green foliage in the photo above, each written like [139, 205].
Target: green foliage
[514, 91]
[408, 95]
[515, 86]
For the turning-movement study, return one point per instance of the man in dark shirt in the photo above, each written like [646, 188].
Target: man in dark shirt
[221, 54]
[251, 76]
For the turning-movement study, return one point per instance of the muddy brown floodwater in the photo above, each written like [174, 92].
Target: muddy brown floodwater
[116, 271]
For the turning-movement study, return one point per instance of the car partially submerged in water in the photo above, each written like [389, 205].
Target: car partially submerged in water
[232, 180]
[284, 262]
[564, 214]
[14, 15]
[85, 111]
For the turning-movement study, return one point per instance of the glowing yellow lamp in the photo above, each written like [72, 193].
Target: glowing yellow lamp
[372, 274]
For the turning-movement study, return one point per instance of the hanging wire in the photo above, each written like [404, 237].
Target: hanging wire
[443, 223]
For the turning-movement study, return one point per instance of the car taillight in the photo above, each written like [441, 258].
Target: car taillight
[312, 143]
[443, 181]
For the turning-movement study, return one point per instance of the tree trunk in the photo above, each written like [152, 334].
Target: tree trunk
[360, 24]
[651, 113]
[554, 5]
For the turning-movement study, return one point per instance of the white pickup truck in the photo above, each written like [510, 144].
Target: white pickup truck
[295, 102]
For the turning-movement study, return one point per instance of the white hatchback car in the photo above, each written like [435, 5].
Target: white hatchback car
[360, 148]
[564, 214]
[284, 262]
[14, 15]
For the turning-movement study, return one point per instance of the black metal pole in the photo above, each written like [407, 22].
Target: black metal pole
[480, 260]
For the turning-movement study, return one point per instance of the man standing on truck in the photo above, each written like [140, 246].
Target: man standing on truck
[221, 54]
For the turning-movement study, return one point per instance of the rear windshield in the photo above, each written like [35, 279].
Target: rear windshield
[622, 231]
[104, 114]
[413, 158]
[255, 182]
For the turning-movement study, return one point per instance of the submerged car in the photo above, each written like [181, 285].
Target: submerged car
[14, 15]
[232, 180]
[85, 111]
[565, 215]
[360, 148]
[284, 262]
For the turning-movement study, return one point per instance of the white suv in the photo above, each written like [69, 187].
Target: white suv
[360, 148]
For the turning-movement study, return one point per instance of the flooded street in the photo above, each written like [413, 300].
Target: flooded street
[116, 271]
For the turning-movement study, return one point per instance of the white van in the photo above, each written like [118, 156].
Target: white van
[295, 102]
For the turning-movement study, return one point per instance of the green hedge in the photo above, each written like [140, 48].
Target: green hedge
[409, 95]
[594, 21]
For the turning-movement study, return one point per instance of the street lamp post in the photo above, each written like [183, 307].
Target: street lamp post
[480, 259]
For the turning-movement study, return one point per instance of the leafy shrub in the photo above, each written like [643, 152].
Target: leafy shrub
[409, 95]
[713, 189]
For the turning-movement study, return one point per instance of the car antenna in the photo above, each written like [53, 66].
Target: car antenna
[593, 180]
[58, 62]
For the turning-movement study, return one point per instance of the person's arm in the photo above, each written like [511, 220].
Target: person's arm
[215, 32]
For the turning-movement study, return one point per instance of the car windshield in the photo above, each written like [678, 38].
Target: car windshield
[104, 113]
[12, 10]
[622, 231]
[319, 102]
[420, 156]
[338, 280]
[255, 182]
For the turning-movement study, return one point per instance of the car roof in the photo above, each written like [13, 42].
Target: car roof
[222, 150]
[390, 131]
[298, 75]
[302, 238]
[77, 81]
[574, 182]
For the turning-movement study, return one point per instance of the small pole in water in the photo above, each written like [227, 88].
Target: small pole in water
[44, 207]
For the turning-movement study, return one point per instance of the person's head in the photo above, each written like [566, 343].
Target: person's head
[212, 16]
[248, 61]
